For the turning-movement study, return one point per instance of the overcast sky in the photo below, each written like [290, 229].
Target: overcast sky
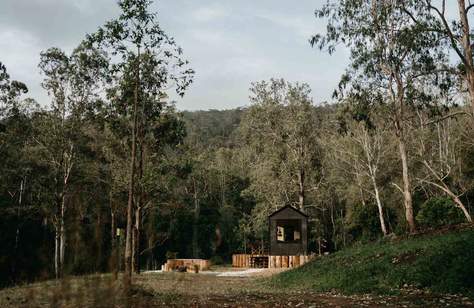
[229, 43]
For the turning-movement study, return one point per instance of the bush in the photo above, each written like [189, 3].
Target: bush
[440, 263]
[363, 222]
[217, 260]
[438, 212]
[171, 255]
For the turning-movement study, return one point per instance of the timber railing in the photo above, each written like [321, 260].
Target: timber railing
[246, 260]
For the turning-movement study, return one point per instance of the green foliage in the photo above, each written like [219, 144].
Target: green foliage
[171, 255]
[440, 263]
[212, 127]
[437, 212]
[217, 260]
[363, 222]
[10, 91]
[279, 143]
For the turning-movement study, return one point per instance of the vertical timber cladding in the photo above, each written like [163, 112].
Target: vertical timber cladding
[288, 232]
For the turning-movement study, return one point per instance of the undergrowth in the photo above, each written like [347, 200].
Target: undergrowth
[439, 263]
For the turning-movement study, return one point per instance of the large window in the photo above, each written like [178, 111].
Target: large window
[288, 230]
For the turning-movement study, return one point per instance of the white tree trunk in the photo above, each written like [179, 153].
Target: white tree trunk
[442, 185]
[467, 49]
[197, 213]
[62, 237]
[379, 206]
[301, 188]
[56, 252]
[463, 209]
[408, 202]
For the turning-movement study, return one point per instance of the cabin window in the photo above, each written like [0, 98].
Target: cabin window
[288, 231]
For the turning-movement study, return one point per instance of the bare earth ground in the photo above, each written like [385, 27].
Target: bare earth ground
[200, 290]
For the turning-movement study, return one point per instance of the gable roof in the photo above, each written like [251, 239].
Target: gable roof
[290, 207]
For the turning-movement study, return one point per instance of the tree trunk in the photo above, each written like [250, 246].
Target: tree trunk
[136, 242]
[57, 236]
[361, 191]
[62, 236]
[333, 222]
[463, 208]
[468, 55]
[134, 245]
[448, 191]
[131, 187]
[140, 196]
[218, 241]
[379, 205]
[455, 198]
[406, 186]
[151, 255]
[56, 251]
[301, 190]
[113, 241]
[197, 210]
[17, 232]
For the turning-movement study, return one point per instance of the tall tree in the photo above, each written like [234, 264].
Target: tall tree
[71, 81]
[391, 60]
[280, 140]
[454, 30]
[135, 33]
[10, 91]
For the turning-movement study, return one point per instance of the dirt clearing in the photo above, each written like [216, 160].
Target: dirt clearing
[199, 290]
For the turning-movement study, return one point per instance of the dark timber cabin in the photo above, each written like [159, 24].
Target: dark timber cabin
[288, 232]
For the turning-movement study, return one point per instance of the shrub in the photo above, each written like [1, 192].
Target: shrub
[439, 263]
[171, 255]
[363, 221]
[217, 260]
[438, 212]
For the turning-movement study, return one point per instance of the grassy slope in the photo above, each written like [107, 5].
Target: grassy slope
[441, 263]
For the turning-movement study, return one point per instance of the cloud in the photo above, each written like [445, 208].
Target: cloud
[303, 27]
[209, 13]
[56, 21]
[19, 51]
[229, 43]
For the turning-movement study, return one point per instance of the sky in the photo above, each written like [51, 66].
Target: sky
[229, 43]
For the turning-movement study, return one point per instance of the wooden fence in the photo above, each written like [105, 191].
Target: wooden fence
[173, 264]
[244, 260]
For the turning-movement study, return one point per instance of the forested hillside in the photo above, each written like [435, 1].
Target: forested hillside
[106, 175]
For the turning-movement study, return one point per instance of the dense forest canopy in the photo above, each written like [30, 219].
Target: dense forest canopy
[109, 176]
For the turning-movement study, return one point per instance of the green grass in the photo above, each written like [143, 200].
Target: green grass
[439, 263]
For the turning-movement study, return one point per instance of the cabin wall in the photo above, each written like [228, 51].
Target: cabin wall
[288, 249]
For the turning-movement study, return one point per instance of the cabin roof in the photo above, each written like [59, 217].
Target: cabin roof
[290, 207]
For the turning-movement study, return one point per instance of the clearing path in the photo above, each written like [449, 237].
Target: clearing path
[223, 288]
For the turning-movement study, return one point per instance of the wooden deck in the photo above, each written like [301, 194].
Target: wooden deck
[267, 261]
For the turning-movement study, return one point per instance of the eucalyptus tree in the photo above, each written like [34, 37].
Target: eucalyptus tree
[73, 84]
[134, 34]
[161, 130]
[392, 62]
[454, 30]
[280, 141]
[10, 92]
[360, 153]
